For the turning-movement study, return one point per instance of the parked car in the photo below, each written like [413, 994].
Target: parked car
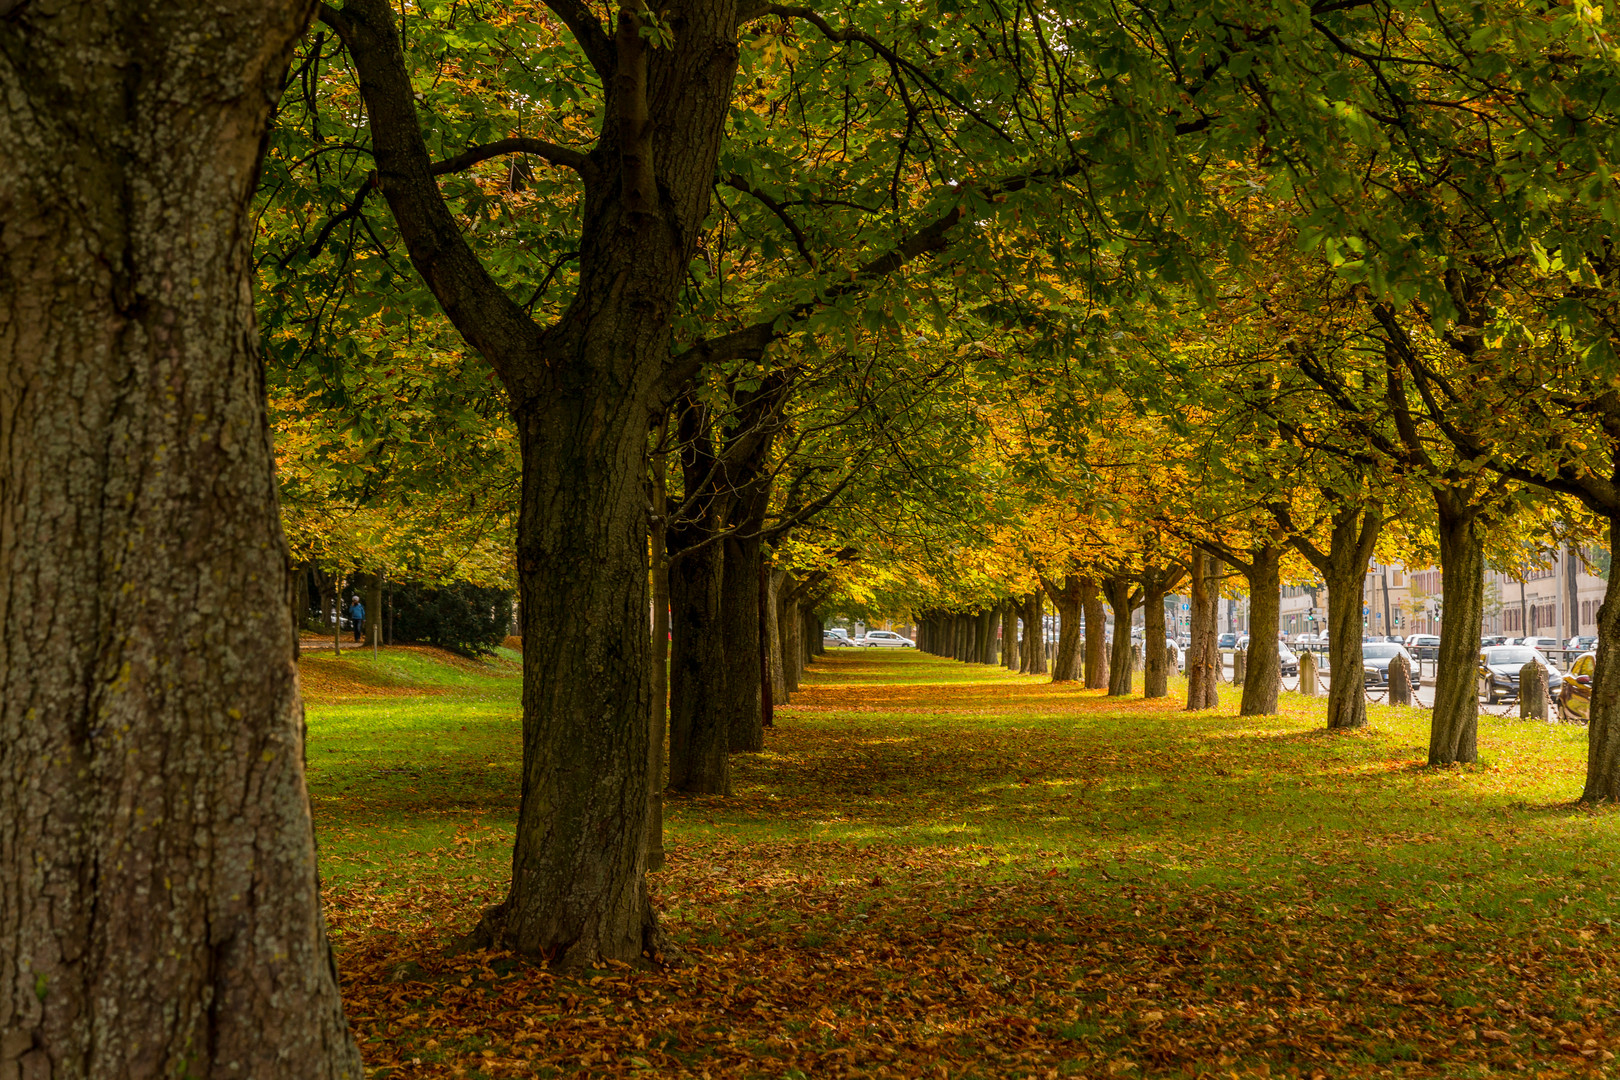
[1499, 671]
[835, 637]
[1494, 639]
[1575, 697]
[885, 639]
[1542, 643]
[1582, 642]
[1226, 641]
[1375, 659]
[1422, 641]
[1288, 658]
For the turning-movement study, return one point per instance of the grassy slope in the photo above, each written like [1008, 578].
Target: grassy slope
[941, 865]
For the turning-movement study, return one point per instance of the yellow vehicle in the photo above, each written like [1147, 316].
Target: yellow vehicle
[1575, 698]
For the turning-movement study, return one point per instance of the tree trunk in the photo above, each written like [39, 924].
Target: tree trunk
[773, 637]
[739, 613]
[1347, 697]
[766, 616]
[1096, 663]
[1067, 599]
[658, 698]
[1603, 721]
[1343, 567]
[159, 903]
[1454, 728]
[1263, 680]
[373, 606]
[1203, 657]
[1037, 630]
[992, 635]
[1120, 599]
[1009, 635]
[791, 627]
[699, 735]
[1156, 585]
[582, 389]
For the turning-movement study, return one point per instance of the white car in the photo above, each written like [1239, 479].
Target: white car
[1541, 643]
[885, 639]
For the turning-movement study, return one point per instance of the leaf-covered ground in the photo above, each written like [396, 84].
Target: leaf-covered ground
[945, 871]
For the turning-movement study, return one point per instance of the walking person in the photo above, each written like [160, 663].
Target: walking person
[357, 617]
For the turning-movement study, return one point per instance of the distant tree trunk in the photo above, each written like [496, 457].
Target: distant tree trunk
[1009, 634]
[159, 903]
[1122, 599]
[1156, 585]
[1343, 571]
[1263, 681]
[773, 637]
[1454, 727]
[1203, 657]
[1096, 663]
[792, 626]
[1603, 722]
[1067, 599]
[373, 606]
[765, 615]
[699, 737]
[993, 635]
[739, 609]
[658, 700]
[1343, 567]
[1037, 632]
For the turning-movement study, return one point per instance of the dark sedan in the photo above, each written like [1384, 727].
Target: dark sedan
[1375, 658]
[1499, 672]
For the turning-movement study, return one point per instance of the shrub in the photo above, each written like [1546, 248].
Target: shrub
[463, 618]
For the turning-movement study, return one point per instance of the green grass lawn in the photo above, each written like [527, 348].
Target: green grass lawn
[936, 866]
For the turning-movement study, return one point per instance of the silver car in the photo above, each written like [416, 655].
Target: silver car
[885, 639]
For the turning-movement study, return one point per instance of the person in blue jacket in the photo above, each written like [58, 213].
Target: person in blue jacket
[357, 616]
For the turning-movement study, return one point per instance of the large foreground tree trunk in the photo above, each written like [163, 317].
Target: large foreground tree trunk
[159, 909]
[1263, 681]
[1603, 723]
[1454, 726]
[1091, 602]
[1203, 657]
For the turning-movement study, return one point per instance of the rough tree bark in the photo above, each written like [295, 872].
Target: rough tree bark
[1122, 599]
[1262, 682]
[1157, 582]
[1203, 658]
[1603, 723]
[773, 637]
[1096, 663]
[159, 908]
[1035, 631]
[1067, 599]
[1454, 726]
[1009, 634]
[1343, 567]
[582, 392]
